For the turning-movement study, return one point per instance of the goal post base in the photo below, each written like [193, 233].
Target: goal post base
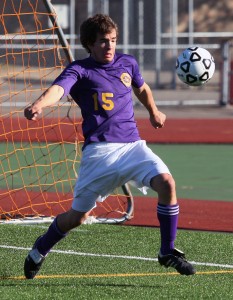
[27, 220]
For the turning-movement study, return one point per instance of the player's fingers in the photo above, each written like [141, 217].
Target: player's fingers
[34, 117]
[29, 114]
[159, 126]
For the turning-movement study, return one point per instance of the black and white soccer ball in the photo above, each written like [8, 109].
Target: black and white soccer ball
[195, 66]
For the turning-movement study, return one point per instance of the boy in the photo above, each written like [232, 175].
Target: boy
[113, 153]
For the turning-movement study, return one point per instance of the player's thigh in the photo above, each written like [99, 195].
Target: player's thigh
[142, 164]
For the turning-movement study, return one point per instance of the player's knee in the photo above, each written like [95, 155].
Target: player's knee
[164, 184]
[169, 185]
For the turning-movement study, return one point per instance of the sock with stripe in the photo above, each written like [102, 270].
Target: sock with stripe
[168, 219]
[45, 243]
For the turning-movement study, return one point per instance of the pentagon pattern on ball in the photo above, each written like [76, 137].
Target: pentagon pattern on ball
[193, 48]
[207, 63]
[204, 76]
[195, 57]
[190, 79]
[185, 66]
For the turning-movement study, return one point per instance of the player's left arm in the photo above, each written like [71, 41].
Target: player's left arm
[145, 96]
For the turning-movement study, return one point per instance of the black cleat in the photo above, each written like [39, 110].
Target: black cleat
[33, 263]
[177, 260]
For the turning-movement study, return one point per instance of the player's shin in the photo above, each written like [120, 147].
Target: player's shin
[168, 219]
[46, 242]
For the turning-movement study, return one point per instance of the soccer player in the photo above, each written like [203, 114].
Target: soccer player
[113, 153]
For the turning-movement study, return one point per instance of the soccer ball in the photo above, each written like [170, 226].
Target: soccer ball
[195, 66]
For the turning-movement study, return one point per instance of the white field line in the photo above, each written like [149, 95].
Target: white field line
[70, 252]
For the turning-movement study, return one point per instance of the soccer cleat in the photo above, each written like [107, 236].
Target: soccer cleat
[177, 260]
[33, 263]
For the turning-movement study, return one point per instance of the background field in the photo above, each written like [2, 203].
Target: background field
[115, 262]
[202, 171]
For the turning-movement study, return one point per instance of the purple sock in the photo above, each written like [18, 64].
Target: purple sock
[45, 243]
[168, 219]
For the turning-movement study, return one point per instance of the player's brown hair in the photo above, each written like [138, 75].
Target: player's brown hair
[89, 29]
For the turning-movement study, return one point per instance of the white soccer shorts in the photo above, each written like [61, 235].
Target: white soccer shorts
[106, 166]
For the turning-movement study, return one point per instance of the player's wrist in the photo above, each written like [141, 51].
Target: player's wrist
[154, 113]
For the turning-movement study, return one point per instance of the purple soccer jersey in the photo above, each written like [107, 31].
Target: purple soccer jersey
[104, 94]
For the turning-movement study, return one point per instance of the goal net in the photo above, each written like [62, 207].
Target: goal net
[40, 159]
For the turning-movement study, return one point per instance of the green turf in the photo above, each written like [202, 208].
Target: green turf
[200, 171]
[141, 279]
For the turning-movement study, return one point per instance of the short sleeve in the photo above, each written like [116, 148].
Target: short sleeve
[137, 79]
[68, 78]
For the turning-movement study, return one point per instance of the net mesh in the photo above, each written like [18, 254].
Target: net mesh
[40, 159]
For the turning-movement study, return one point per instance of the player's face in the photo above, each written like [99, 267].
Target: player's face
[104, 47]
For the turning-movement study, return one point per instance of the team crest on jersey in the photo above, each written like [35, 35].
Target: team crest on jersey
[126, 79]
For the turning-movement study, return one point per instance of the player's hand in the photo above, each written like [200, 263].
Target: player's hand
[158, 119]
[31, 113]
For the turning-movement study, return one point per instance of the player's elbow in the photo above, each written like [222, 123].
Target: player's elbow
[57, 91]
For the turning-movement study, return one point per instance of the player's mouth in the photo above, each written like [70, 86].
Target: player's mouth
[108, 55]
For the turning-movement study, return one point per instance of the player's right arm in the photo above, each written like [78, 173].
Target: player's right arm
[51, 96]
[145, 96]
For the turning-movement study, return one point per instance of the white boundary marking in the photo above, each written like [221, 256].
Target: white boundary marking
[71, 252]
